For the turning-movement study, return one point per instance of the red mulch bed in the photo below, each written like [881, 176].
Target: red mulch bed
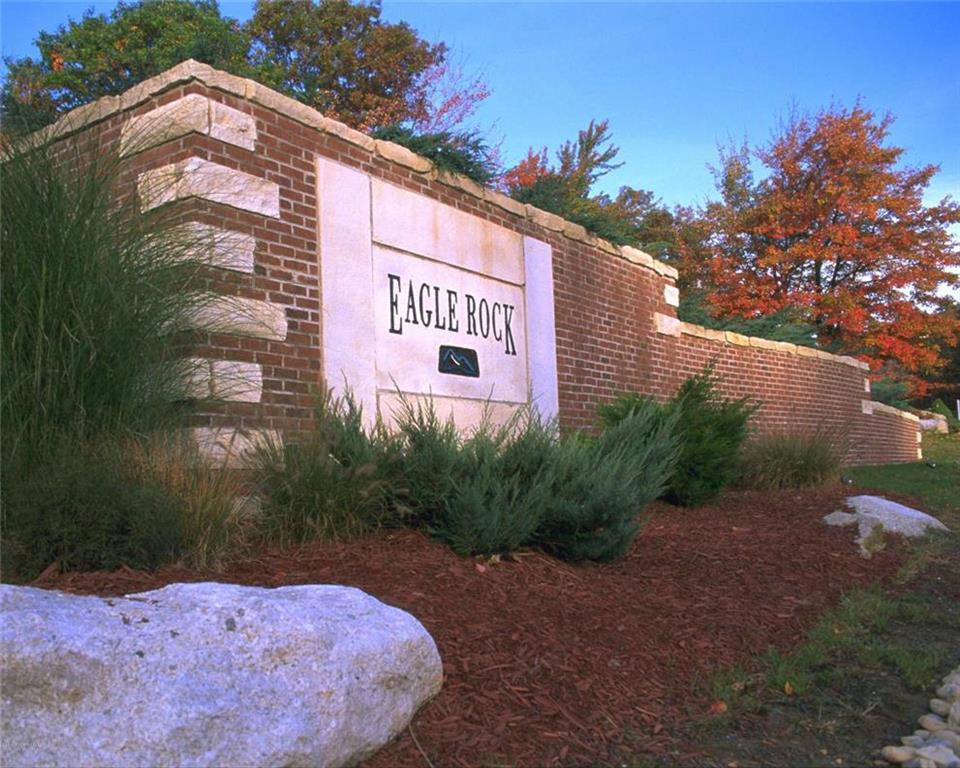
[547, 663]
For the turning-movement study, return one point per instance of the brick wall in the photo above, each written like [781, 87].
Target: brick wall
[616, 326]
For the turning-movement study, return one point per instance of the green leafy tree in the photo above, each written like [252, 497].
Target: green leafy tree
[338, 57]
[342, 59]
[102, 55]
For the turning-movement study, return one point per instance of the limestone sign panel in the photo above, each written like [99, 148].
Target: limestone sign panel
[422, 305]
[423, 299]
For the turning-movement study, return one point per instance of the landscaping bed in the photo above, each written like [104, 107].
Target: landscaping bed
[548, 663]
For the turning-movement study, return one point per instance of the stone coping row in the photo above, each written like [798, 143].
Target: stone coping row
[729, 337]
[671, 326]
[191, 70]
[872, 406]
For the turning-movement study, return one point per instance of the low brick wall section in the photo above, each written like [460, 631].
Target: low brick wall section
[237, 161]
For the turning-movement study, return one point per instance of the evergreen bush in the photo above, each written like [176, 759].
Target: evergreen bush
[495, 505]
[464, 153]
[431, 458]
[711, 432]
[500, 489]
[597, 489]
[481, 494]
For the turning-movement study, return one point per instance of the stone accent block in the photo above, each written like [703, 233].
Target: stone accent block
[667, 325]
[737, 338]
[636, 256]
[216, 247]
[756, 341]
[502, 201]
[665, 269]
[232, 126]
[231, 448]
[402, 156]
[191, 114]
[195, 177]
[461, 182]
[671, 295]
[236, 381]
[785, 346]
[574, 231]
[544, 219]
[884, 408]
[241, 316]
[702, 333]
[230, 380]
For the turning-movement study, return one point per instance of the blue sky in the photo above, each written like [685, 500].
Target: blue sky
[674, 79]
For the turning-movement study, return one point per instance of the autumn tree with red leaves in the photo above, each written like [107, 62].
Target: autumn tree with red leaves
[837, 231]
[566, 188]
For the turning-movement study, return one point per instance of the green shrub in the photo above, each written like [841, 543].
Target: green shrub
[431, 458]
[711, 431]
[338, 480]
[493, 507]
[520, 484]
[86, 508]
[597, 489]
[792, 460]
[891, 392]
[464, 153]
[481, 494]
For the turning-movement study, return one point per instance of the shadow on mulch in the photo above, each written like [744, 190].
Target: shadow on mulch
[547, 663]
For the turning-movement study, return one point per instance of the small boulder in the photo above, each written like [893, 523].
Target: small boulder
[895, 518]
[939, 707]
[840, 518]
[897, 755]
[208, 674]
[942, 756]
[932, 723]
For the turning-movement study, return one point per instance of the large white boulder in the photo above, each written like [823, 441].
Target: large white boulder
[208, 675]
[895, 518]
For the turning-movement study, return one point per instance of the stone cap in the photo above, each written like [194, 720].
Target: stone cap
[191, 70]
[729, 337]
[875, 407]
